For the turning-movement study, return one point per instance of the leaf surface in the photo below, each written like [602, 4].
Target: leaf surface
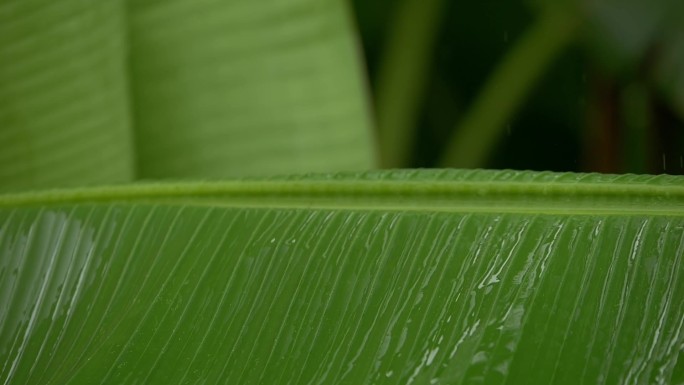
[64, 108]
[111, 92]
[312, 281]
[242, 87]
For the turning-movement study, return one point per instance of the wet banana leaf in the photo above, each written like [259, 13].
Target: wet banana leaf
[404, 277]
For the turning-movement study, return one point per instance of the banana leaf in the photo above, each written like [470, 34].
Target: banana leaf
[115, 91]
[394, 277]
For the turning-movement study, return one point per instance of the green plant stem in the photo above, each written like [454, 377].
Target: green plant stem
[402, 77]
[478, 132]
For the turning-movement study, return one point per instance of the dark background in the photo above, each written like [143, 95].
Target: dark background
[611, 101]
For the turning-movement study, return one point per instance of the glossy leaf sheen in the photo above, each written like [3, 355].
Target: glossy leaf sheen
[139, 291]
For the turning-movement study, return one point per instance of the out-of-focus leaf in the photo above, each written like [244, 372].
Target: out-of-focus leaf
[403, 77]
[241, 87]
[104, 92]
[624, 30]
[429, 277]
[634, 35]
[64, 107]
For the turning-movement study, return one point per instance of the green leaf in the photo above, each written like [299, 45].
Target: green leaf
[108, 92]
[403, 76]
[64, 113]
[623, 31]
[636, 38]
[216, 82]
[406, 277]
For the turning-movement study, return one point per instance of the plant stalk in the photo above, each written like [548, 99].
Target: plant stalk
[402, 77]
[479, 131]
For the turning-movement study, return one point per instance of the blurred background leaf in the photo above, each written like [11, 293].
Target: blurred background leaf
[103, 92]
[232, 88]
[64, 113]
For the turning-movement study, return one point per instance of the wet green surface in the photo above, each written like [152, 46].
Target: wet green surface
[163, 294]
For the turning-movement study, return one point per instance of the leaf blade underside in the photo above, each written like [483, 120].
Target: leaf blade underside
[138, 291]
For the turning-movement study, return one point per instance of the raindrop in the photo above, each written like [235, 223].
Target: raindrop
[431, 356]
[664, 163]
[505, 36]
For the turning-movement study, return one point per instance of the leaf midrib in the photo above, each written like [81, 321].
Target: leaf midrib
[472, 196]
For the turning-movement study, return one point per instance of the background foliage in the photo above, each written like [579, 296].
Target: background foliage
[591, 85]
[609, 97]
